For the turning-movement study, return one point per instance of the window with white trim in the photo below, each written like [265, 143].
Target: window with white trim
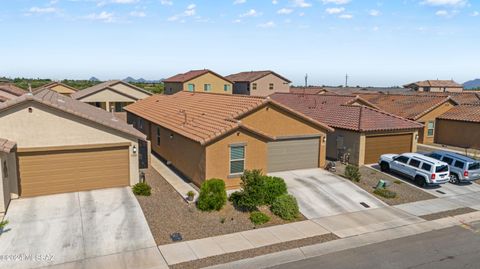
[271, 86]
[430, 128]
[207, 87]
[254, 86]
[237, 159]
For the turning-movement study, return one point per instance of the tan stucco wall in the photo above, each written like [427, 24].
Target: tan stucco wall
[279, 84]
[48, 127]
[458, 133]
[107, 96]
[62, 89]
[9, 183]
[441, 89]
[431, 116]
[351, 143]
[217, 154]
[208, 78]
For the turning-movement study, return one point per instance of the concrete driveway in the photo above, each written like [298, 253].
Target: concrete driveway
[320, 193]
[92, 229]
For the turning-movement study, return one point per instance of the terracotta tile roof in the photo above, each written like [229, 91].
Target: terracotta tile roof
[7, 146]
[3, 99]
[184, 77]
[102, 86]
[436, 83]
[58, 101]
[308, 90]
[336, 111]
[251, 76]
[204, 117]
[470, 113]
[467, 98]
[410, 106]
[53, 84]
[12, 89]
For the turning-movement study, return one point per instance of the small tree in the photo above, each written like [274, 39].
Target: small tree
[353, 173]
[212, 195]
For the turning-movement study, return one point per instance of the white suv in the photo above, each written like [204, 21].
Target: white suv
[422, 169]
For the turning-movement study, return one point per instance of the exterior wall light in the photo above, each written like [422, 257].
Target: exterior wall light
[134, 149]
[324, 139]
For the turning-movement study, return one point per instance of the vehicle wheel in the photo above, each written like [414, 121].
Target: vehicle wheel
[384, 167]
[421, 182]
[454, 179]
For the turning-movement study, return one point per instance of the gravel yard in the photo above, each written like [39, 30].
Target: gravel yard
[405, 192]
[166, 213]
[449, 213]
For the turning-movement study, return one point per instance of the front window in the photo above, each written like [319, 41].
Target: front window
[140, 123]
[191, 87]
[254, 86]
[158, 135]
[431, 128]
[118, 106]
[270, 86]
[237, 160]
[226, 87]
[207, 87]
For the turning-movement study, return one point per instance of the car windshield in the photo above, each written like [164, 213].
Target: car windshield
[474, 166]
[441, 168]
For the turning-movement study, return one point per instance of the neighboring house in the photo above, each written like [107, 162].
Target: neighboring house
[9, 91]
[309, 90]
[58, 87]
[462, 98]
[361, 131]
[63, 145]
[205, 135]
[198, 81]
[259, 83]
[417, 107]
[435, 86]
[111, 95]
[459, 127]
[347, 90]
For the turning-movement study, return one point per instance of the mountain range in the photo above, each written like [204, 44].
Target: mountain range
[472, 84]
[140, 80]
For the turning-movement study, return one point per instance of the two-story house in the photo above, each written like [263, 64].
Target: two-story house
[198, 81]
[259, 83]
[435, 86]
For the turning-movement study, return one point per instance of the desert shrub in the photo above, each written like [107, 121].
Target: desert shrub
[273, 188]
[253, 185]
[353, 173]
[286, 207]
[386, 193]
[142, 189]
[242, 201]
[212, 195]
[258, 218]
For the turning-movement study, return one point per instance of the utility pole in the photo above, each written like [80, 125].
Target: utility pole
[346, 80]
[306, 80]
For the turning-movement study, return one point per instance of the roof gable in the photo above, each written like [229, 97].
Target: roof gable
[105, 85]
[251, 76]
[192, 74]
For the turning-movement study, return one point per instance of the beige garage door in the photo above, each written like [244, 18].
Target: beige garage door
[378, 145]
[293, 154]
[49, 172]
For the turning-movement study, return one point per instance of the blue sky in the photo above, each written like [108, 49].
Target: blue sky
[378, 43]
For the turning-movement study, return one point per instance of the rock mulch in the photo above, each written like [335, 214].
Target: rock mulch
[240, 255]
[166, 213]
[448, 213]
[405, 192]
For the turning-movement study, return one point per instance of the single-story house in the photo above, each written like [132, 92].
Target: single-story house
[59, 87]
[361, 130]
[203, 80]
[417, 107]
[459, 127]
[64, 145]
[435, 86]
[208, 135]
[259, 83]
[9, 91]
[111, 95]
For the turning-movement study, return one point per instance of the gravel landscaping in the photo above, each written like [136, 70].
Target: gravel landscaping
[449, 213]
[370, 177]
[166, 213]
[240, 255]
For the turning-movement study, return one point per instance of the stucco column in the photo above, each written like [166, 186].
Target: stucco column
[107, 106]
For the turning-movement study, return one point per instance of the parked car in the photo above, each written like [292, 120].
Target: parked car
[422, 169]
[462, 168]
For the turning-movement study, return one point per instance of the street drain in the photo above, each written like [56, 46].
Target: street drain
[365, 205]
[441, 192]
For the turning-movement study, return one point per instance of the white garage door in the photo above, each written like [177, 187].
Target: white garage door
[293, 154]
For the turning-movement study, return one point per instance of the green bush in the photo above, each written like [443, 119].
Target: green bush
[253, 185]
[385, 193]
[258, 218]
[353, 173]
[142, 189]
[274, 187]
[212, 195]
[286, 207]
[242, 201]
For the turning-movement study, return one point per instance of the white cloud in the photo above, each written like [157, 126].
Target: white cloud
[375, 28]
[237, 21]
[442, 13]
[336, 2]
[190, 11]
[285, 11]
[42, 10]
[335, 10]
[166, 2]
[374, 13]
[445, 2]
[250, 13]
[274, 2]
[475, 13]
[102, 16]
[269, 24]
[238, 2]
[139, 14]
[346, 16]
[124, 1]
[301, 3]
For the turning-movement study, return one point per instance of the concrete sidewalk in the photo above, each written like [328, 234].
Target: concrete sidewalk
[173, 179]
[343, 226]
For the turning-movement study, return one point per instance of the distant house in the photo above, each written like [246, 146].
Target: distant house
[111, 95]
[59, 87]
[459, 127]
[259, 83]
[9, 91]
[361, 130]
[198, 81]
[435, 86]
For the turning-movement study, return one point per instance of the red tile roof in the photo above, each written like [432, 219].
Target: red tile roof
[337, 112]
[436, 83]
[184, 77]
[469, 113]
[251, 76]
[204, 117]
[12, 89]
[7, 146]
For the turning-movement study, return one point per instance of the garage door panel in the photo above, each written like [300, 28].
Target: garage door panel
[293, 154]
[50, 172]
[378, 145]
